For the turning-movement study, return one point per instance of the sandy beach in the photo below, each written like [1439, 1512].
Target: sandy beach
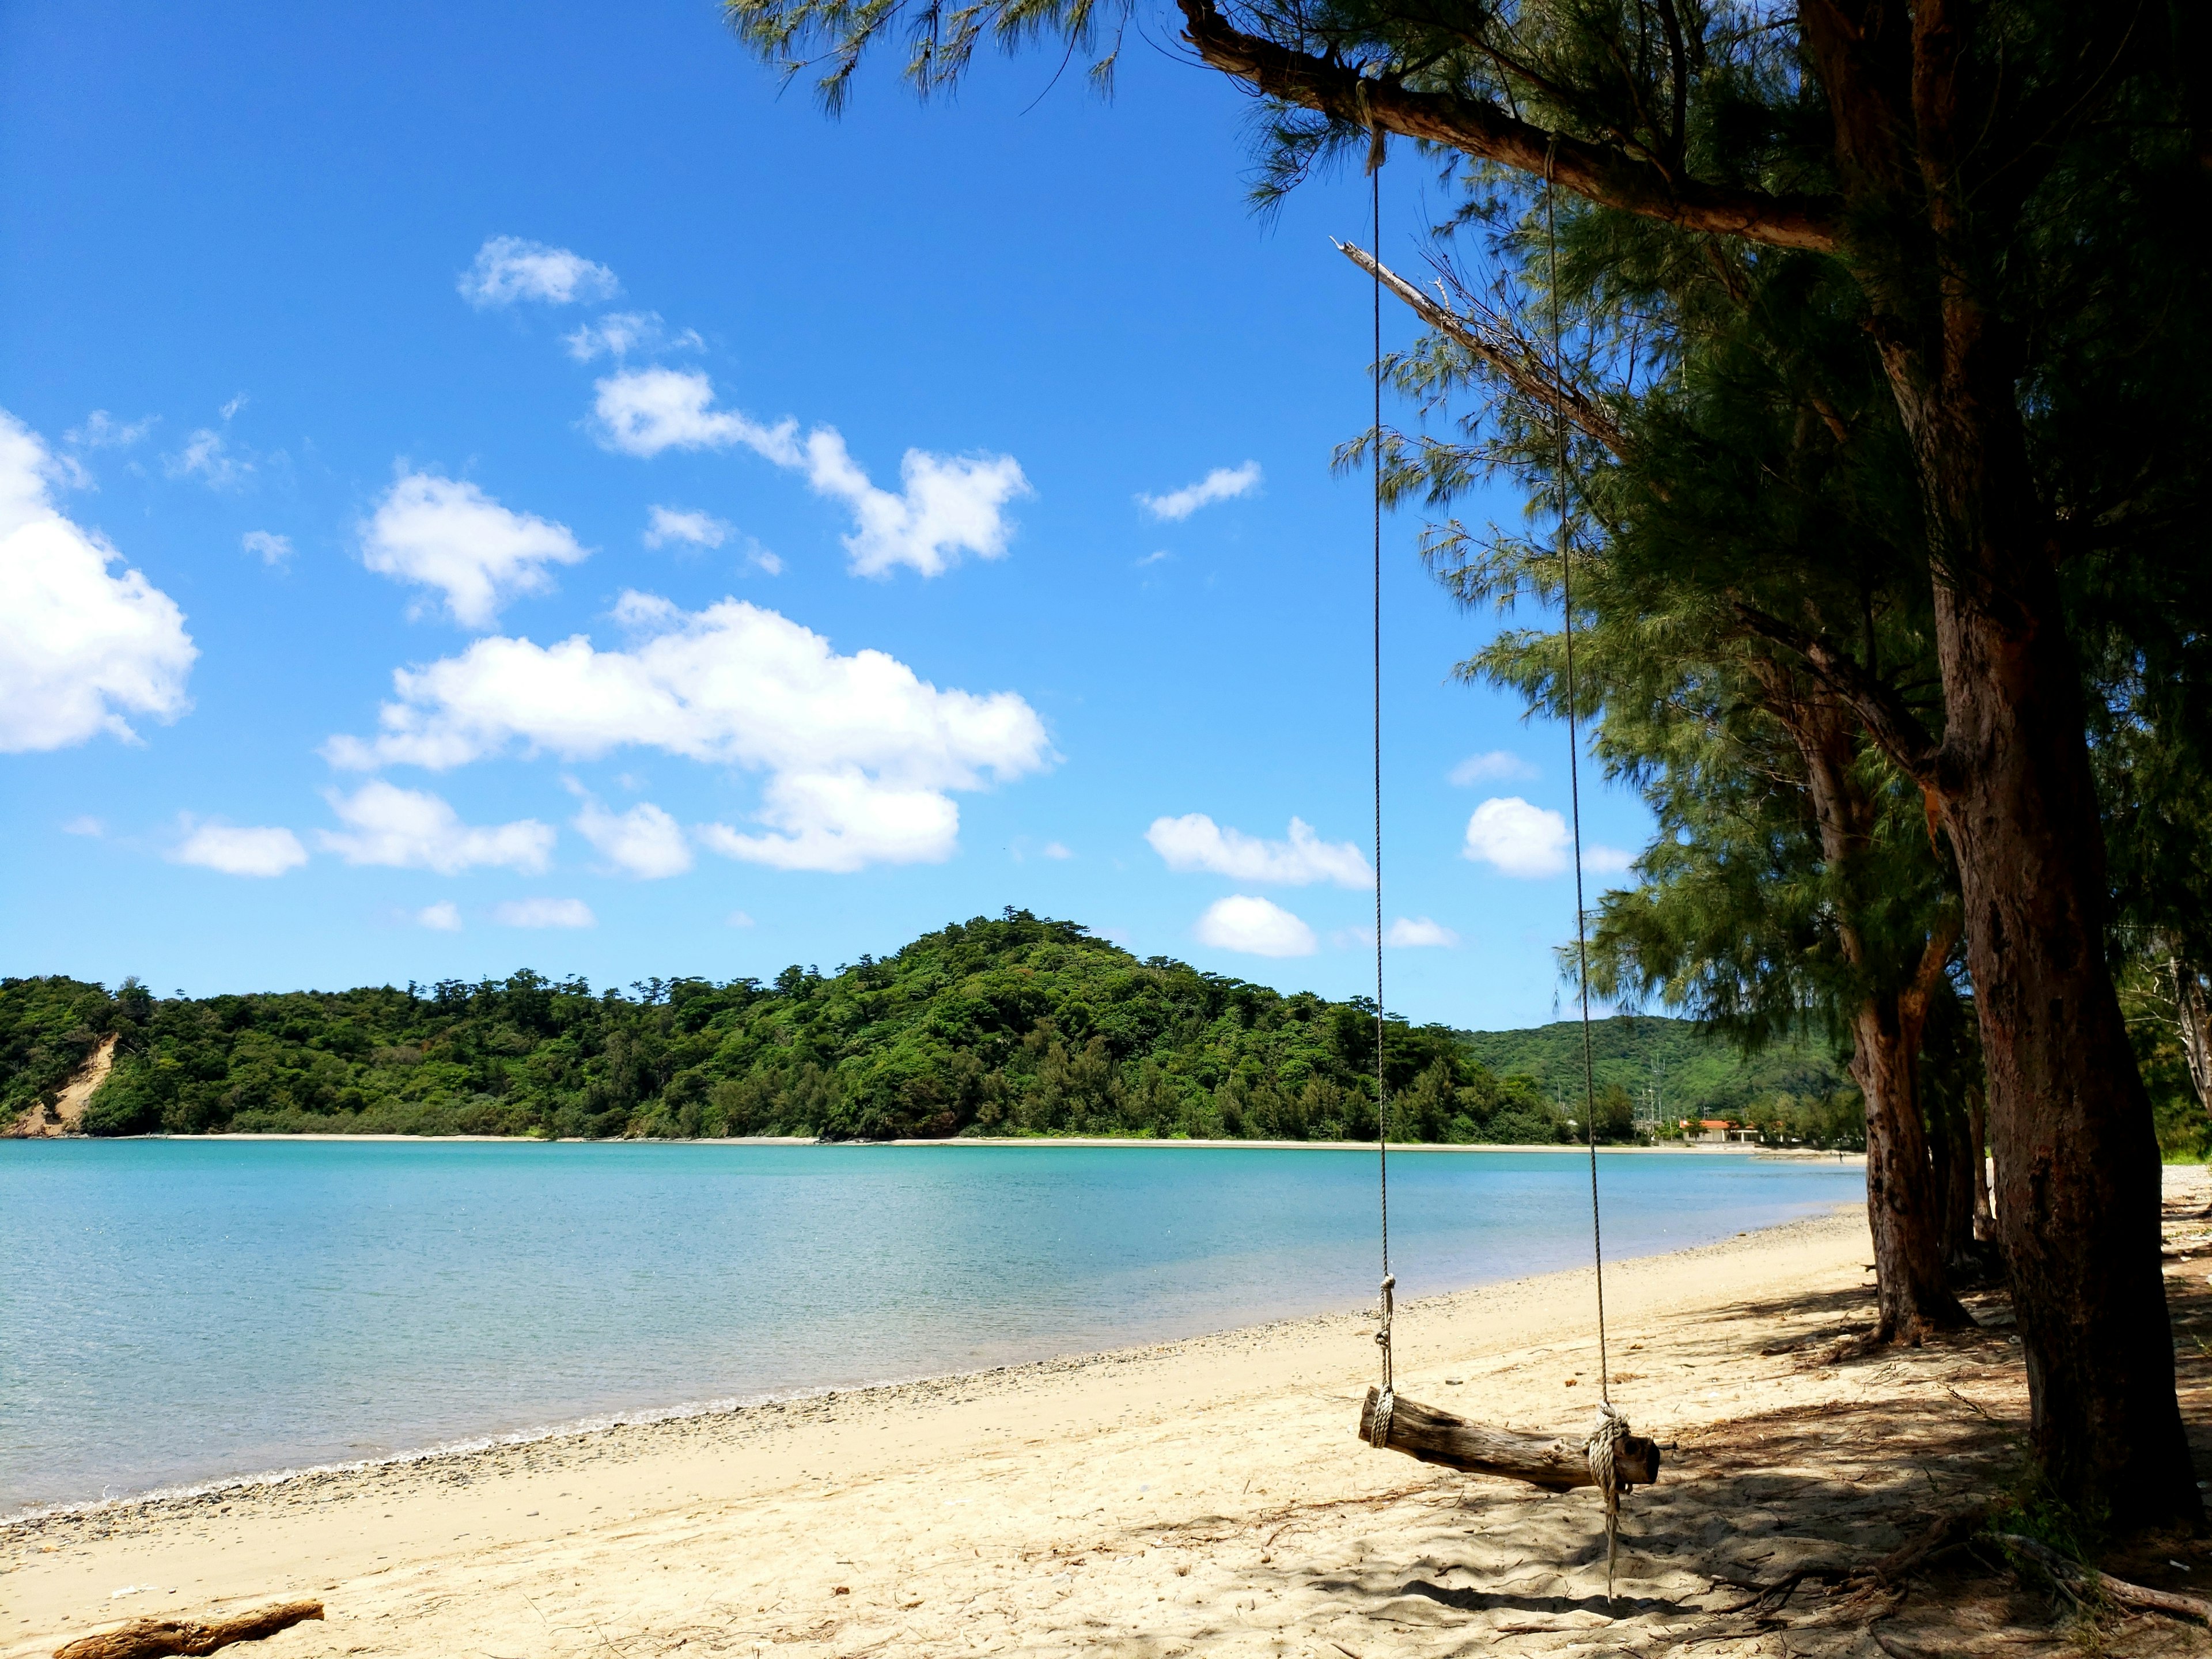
[1204, 1497]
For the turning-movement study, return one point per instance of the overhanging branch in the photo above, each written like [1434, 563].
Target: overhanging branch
[1607, 176]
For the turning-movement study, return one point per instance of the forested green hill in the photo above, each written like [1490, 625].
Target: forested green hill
[1018, 1025]
[1668, 1066]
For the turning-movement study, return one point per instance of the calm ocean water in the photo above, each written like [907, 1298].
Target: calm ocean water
[180, 1311]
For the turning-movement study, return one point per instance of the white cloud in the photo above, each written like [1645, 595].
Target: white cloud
[843, 821]
[860, 752]
[644, 411]
[101, 430]
[508, 268]
[1194, 841]
[1153, 557]
[1053, 849]
[237, 850]
[1496, 765]
[410, 829]
[621, 333]
[443, 917]
[664, 525]
[84, 824]
[645, 841]
[205, 455]
[1412, 932]
[544, 912]
[79, 647]
[235, 404]
[452, 537]
[1529, 841]
[1254, 926]
[1224, 483]
[272, 548]
[949, 504]
[739, 919]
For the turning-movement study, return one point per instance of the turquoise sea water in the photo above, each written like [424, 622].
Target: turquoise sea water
[181, 1310]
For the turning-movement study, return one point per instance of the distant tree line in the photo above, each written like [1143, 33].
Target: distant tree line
[1018, 1025]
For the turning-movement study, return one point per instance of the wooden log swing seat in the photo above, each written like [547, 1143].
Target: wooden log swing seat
[1555, 1463]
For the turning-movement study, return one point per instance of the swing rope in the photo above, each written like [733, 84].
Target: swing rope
[1604, 1446]
[1611, 1428]
[1380, 1431]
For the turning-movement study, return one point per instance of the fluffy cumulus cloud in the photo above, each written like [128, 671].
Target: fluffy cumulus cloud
[507, 269]
[1498, 765]
[644, 842]
[267, 545]
[664, 525]
[621, 333]
[238, 850]
[1518, 839]
[544, 912]
[1255, 927]
[412, 829]
[947, 506]
[1415, 932]
[443, 917]
[81, 647]
[452, 537]
[860, 754]
[1224, 483]
[1194, 841]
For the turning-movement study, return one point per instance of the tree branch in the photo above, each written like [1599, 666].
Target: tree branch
[1890, 720]
[1600, 173]
[1513, 366]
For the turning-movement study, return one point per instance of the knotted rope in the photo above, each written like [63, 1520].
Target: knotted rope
[1604, 1442]
[1378, 1426]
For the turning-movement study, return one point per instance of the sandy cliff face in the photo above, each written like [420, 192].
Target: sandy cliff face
[66, 1112]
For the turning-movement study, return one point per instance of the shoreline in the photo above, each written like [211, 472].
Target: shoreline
[644, 1419]
[1175, 1473]
[1731, 1149]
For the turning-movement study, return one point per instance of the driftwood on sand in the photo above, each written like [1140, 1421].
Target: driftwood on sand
[1555, 1463]
[2117, 1589]
[151, 1638]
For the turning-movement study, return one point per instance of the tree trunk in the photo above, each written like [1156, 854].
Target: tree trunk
[1954, 1189]
[2078, 1209]
[1977, 1130]
[2077, 1198]
[2192, 1011]
[1911, 1289]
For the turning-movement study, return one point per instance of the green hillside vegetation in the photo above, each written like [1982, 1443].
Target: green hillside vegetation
[1672, 1069]
[1014, 1026]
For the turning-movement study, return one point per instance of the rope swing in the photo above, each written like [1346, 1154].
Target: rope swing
[1609, 1457]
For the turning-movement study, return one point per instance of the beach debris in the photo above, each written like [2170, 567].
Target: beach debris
[2071, 1572]
[154, 1638]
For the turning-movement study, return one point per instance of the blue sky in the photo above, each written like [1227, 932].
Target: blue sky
[499, 485]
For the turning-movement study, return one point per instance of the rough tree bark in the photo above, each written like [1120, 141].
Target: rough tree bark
[1955, 1189]
[2077, 1183]
[1904, 1201]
